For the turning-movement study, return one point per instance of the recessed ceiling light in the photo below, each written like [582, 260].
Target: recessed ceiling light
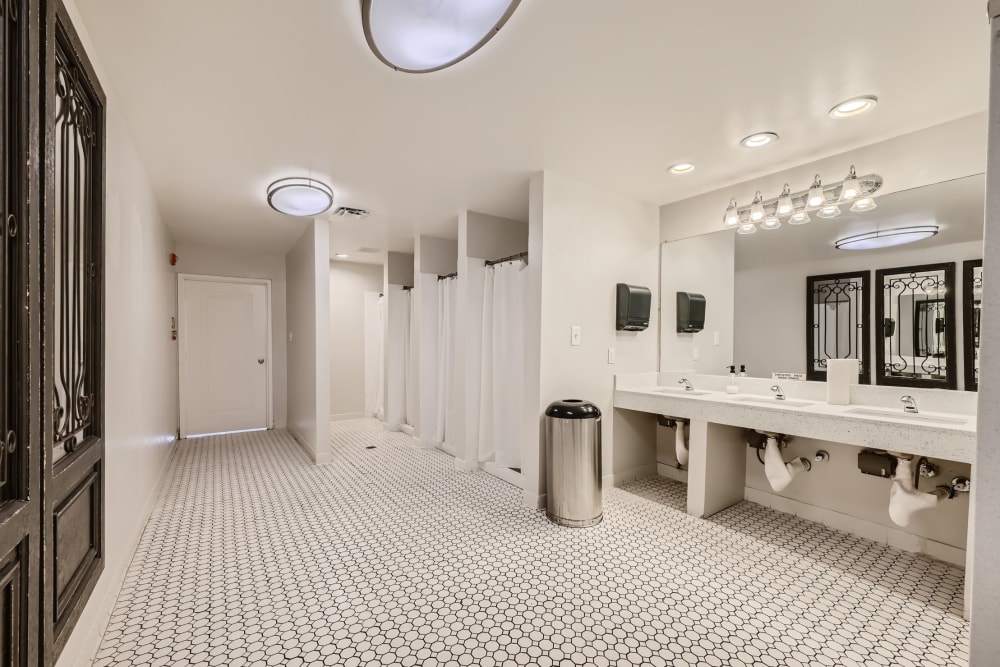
[301, 197]
[887, 238]
[426, 36]
[759, 139]
[854, 107]
[682, 168]
[341, 255]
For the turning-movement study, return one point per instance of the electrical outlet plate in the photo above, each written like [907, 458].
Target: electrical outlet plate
[574, 335]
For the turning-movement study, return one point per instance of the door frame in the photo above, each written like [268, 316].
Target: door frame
[182, 279]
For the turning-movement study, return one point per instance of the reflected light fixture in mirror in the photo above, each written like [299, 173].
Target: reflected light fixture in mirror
[854, 107]
[418, 36]
[886, 238]
[302, 197]
[759, 139]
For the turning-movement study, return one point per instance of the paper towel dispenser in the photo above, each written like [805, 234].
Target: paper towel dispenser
[690, 312]
[633, 307]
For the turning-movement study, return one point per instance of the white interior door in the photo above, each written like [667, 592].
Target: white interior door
[224, 355]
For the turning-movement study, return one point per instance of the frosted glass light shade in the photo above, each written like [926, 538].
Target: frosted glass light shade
[747, 228]
[886, 238]
[770, 224]
[427, 35]
[302, 197]
[831, 211]
[799, 218]
[864, 204]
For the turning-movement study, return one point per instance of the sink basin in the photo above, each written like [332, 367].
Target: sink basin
[764, 400]
[906, 416]
[679, 391]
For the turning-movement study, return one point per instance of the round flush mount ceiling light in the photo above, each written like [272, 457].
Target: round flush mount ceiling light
[302, 197]
[759, 139]
[886, 238]
[341, 255]
[682, 168]
[854, 107]
[418, 36]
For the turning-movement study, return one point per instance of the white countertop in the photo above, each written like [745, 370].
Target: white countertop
[818, 419]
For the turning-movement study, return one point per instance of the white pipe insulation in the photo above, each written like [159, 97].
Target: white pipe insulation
[904, 499]
[780, 474]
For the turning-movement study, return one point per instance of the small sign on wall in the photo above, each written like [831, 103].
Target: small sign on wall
[788, 376]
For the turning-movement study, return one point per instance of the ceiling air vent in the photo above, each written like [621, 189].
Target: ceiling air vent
[354, 212]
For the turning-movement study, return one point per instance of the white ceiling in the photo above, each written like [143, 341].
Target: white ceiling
[954, 206]
[223, 97]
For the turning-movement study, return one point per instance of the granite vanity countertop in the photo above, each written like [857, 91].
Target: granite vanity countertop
[952, 439]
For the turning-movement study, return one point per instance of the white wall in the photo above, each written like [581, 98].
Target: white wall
[434, 255]
[936, 154]
[308, 277]
[211, 261]
[348, 283]
[141, 363]
[491, 237]
[771, 304]
[590, 240]
[705, 265]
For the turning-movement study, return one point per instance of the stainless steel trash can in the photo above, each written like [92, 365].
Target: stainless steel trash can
[573, 463]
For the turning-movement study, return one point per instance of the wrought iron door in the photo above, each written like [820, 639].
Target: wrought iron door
[20, 437]
[73, 311]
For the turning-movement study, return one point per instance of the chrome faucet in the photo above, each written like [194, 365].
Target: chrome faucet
[780, 395]
[909, 404]
[686, 383]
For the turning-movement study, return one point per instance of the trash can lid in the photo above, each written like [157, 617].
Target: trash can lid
[573, 408]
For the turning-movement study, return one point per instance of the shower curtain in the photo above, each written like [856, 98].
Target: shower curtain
[445, 428]
[500, 408]
[380, 391]
[373, 354]
[397, 355]
[410, 356]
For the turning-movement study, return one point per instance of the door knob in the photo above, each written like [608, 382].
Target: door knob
[261, 360]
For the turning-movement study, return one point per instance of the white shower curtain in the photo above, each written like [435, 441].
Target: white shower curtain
[373, 353]
[397, 353]
[500, 408]
[409, 361]
[444, 429]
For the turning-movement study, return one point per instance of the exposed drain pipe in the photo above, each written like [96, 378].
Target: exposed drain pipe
[779, 473]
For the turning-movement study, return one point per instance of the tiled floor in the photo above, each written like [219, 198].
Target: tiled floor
[388, 556]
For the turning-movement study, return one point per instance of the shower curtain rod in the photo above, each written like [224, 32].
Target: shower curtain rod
[450, 275]
[520, 255]
[407, 288]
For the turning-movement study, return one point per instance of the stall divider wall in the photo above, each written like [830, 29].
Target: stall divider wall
[398, 273]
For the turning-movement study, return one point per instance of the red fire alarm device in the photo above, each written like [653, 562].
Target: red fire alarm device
[173, 259]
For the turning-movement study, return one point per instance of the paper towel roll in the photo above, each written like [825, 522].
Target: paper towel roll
[840, 375]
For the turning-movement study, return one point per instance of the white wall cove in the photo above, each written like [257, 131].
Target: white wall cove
[211, 261]
[140, 358]
[348, 283]
[308, 276]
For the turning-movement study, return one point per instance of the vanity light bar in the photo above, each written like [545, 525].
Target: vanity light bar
[860, 187]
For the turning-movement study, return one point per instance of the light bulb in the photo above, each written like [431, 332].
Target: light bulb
[757, 208]
[799, 218]
[748, 228]
[864, 204]
[770, 223]
[831, 211]
[851, 188]
[732, 214]
[816, 196]
[785, 205]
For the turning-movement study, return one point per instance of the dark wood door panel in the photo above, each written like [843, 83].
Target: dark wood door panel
[76, 543]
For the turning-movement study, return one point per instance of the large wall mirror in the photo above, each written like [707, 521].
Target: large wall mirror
[783, 323]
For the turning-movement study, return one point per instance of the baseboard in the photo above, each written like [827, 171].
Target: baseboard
[85, 640]
[626, 476]
[407, 429]
[316, 457]
[869, 530]
[464, 465]
[506, 474]
[344, 416]
[392, 428]
[670, 472]
[536, 501]
[420, 443]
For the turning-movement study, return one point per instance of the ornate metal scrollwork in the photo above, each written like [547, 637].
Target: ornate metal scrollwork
[837, 321]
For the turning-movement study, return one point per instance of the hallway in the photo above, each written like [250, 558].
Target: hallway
[387, 555]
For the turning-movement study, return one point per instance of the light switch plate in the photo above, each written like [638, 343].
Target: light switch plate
[574, 335]
[611, 355]
[695, 355]
[716, 339]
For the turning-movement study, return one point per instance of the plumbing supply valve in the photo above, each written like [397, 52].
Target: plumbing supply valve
[961, 485]
[926, 469]
[821, 456]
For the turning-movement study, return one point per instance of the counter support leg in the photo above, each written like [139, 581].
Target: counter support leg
[717, 469]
